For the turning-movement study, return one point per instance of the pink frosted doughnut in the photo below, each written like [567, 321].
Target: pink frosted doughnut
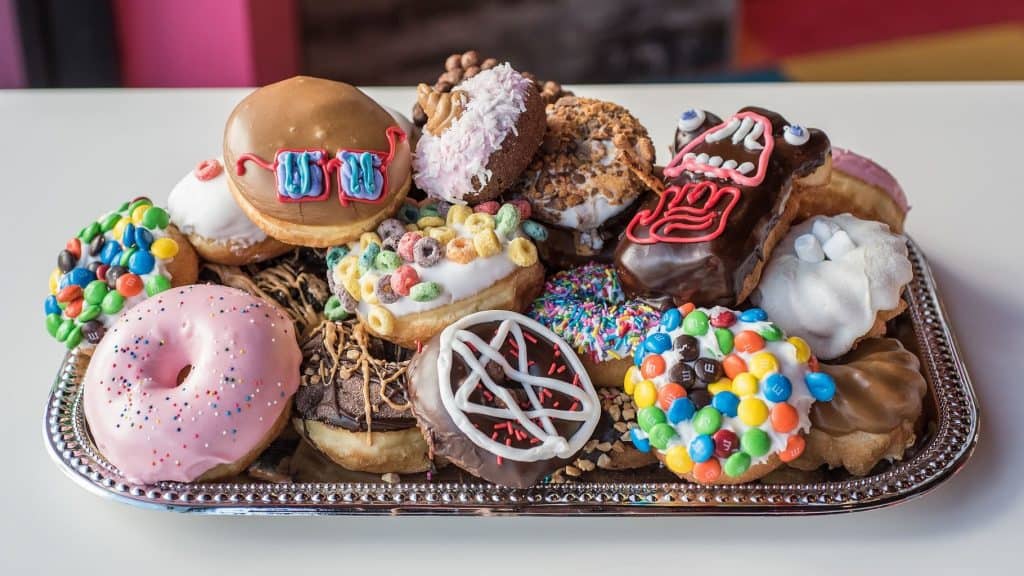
[239, 362]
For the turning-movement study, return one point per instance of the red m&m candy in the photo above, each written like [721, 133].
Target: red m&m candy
[69, 293]
[726, 442]
[723, 319]
[74, 308]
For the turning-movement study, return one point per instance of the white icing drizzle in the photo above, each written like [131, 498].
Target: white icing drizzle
[729, 164]
[745, 168]
[715, 161]
[691, 120]
[743, 130]
[723, 132]
[592, 212]
[750, 142]
[208, 209]
[454, 340]
[795, 135]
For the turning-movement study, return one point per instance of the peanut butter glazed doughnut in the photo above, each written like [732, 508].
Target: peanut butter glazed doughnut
[352, 404]
[503, 398]
[879, 389]
[407, 282]
[314, 162]
[728, 202]
[723, 395]
[112, 264]
[191, 385]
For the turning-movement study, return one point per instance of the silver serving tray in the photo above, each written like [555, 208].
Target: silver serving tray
[953, 433]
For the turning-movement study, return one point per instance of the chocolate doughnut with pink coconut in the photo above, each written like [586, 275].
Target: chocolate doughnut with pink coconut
[728, 201]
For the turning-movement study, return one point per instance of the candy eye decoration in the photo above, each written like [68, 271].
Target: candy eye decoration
[691, 120]
[795, 135]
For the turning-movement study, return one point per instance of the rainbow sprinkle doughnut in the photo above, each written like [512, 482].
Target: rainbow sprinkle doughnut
[723, 396]
[112, 264]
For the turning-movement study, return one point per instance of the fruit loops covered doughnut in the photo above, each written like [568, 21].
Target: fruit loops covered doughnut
[406, 282]
[192, 384]
[587, 308]
[723, 396]
[112, 264]
[503, 398]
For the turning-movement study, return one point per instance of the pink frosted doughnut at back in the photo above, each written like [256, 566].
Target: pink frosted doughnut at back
[244, 368]
[869, 171]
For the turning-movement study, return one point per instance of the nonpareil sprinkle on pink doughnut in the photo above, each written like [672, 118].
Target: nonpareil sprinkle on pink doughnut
[190, 379]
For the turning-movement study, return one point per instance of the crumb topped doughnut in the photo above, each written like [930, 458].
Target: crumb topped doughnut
[352, 404]
[596, 159]
[191, 385]
[834, 280]
[314, 162]
[588, 309]
[723, 395]
[115, 262]
[503, 398]
[478, 138]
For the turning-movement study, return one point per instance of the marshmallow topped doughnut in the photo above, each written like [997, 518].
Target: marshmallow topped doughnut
[723, 395]
[834, 280]
[192, 384]
[204, 210]
[314, 162]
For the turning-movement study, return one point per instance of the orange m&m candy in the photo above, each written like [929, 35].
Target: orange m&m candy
[784, 417]
[687, 308]
[733, 366]
[794, 448]
[652, 366]
[129, 285]
[708, 471]
[668, 394]
[748, 341]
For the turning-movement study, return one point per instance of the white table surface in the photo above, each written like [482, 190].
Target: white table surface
[67, 156]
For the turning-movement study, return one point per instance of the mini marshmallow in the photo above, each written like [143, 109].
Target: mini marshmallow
[823, 229]
[838, 245]
[808, 248]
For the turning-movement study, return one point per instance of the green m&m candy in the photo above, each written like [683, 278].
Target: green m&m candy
[724, 337]
[660, 435]
[736, 464]
[89, 312]
[650, 417]
[95, 291]
[707, 420]
[110, 221]
[90, 232]
[696, 323]
[112, 302]
[771, 333]
[64, 329]
[156, 284]
[156, 218]
[755, 442]
[53, 322]
[74, 337]
[132, 206]
[126, 256]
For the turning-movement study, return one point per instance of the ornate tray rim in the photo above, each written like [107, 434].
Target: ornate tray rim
[945, 453]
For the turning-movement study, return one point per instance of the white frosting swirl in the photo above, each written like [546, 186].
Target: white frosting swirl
[207, 208]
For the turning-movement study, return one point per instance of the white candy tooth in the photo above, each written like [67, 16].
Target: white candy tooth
[715, 161]
[750, 142]
[729, 164]
[838, 245]
[724, 132]
[741, 133]
[746, 168]
[808, 248]
[702, 158]
[823, 229]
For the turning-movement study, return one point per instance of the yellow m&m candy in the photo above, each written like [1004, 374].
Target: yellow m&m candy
[164, 248]
[744, 384]
[118, 230]
[678, 460]
[723, 385]
[752, 411]
[54, 280]
[138, 213]
[762, 364]
[803, 350]
[628, 383]
[645, 394]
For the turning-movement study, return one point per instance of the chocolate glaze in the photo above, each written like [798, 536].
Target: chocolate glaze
[714, 272]
[305, 113]
[444, 437]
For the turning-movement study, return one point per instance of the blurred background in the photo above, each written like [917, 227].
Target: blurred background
[182, 43]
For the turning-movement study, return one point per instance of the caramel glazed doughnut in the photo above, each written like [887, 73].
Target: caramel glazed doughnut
[314, 162]
[352, 404]
[408, 281]
[595, 162]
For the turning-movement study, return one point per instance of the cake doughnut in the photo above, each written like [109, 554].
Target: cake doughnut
[503, 398]
[191, 385]
[595, 162]
[586, 307]
[479, 137]
[407, 282]
[879, 389]
[723, 395]
[352, 404]
[834, 280]
[113, 263]
[203, 208]
[861, 187]
[728, 202]
[314, 162]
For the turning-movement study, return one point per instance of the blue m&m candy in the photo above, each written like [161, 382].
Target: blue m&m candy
[143, 238]
[79, 276]
[776, 387]
[110, 252]
[141, 262]
[821, 385]
[726, 402]
[671, 319]
[658, 342]
[753, 315]
[51, 306]
[638, 355]
[680, 410]
[128, 236]
[702, 448]
[640, 440]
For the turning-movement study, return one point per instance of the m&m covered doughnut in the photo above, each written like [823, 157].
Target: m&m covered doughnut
[723, 396]
[112, 264]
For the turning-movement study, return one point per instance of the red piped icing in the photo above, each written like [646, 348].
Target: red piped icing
[681, 217]
[680, 163]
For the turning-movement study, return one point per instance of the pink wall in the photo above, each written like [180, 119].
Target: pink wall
[12, 74]
[206, 43]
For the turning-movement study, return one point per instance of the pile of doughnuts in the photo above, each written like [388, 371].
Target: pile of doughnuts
[507, 288]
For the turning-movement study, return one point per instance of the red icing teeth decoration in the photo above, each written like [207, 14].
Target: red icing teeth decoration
[682, 217]
[748, 128]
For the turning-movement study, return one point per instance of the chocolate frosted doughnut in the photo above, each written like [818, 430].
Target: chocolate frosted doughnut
[503, 398]
[706, 238]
